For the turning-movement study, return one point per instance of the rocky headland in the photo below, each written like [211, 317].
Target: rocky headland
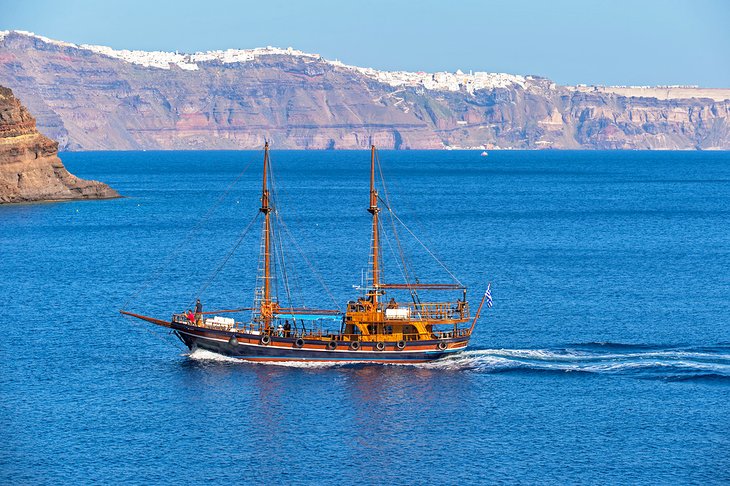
[30, 170]
[97, 98]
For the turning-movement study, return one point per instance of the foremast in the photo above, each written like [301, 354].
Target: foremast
[268, 307]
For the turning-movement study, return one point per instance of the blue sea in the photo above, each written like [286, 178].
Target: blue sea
[605, 359]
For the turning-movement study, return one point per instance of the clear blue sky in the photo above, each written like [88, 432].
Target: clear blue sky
[570, 41]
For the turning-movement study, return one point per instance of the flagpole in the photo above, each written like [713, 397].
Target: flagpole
[479, 310]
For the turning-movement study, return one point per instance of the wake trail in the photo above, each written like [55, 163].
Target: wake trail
[640, 361]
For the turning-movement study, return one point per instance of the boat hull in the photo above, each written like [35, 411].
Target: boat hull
[249, 347]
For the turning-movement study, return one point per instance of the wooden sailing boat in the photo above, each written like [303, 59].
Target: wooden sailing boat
[371, 329]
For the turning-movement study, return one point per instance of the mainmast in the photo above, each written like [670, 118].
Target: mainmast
[375, 250]
[266, 304]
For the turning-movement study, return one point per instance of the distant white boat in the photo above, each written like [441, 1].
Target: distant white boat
[484, 154]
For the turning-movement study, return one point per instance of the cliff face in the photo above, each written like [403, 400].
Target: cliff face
[92, 98]
[30, 169]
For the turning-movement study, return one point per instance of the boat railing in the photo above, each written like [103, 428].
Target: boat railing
[257, 329]
[434, 311]
[229, 325]
[321, 334]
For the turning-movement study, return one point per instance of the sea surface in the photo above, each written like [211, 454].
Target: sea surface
[605, 359]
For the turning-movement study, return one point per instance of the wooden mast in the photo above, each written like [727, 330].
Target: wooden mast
[374, 210]
[266, 305]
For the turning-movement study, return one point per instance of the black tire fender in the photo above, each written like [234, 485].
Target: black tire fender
[265, 339]
[380, 346]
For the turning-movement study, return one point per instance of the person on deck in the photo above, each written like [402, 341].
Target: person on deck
[198, 312]
[392, 304]
[287, 329]
[365, 304]
[189, 314]
[460, 307]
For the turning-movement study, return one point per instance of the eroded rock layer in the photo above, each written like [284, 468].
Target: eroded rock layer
[95, 98]
[30, 169]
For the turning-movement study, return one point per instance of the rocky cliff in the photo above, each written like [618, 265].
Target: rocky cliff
[96, 98]
[30, 169]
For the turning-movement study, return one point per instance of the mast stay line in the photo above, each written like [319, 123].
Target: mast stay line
[405, 269]
[228, 256]
[158, 274]
[422, 244]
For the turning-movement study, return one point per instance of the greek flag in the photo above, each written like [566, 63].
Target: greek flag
[488, 294]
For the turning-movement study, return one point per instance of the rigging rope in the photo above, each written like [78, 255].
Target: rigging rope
[279, 249]
[311, 267]
[275, 195]
[421, 243]
[386, 202]
[227, 257]
[387, 241]
[401, 252]
[404, 258]
[157, 275]
[278, 244]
